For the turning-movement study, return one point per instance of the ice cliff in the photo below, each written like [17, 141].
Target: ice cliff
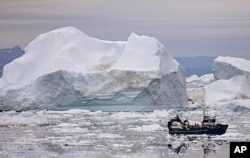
[65, 67]
[228, 67]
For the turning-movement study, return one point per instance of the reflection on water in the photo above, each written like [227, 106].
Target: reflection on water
[208, 147]
[199, 146]
[179, 149]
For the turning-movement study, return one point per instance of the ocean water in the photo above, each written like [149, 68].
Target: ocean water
[113, 134]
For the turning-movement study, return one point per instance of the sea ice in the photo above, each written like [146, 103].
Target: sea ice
[114, 134]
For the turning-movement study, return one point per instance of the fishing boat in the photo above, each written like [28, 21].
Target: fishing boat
[208, 126]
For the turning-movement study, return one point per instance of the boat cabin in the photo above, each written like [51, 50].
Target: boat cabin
[208, 121]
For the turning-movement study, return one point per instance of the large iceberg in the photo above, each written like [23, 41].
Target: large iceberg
[228, 67]
[65, 67]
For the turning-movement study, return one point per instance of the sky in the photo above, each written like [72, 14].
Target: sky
[185, 27]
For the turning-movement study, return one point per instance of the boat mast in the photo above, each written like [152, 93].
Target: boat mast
[203, 109]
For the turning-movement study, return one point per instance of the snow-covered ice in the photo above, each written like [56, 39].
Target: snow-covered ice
[65, 67]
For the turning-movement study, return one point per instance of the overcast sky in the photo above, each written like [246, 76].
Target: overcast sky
[185, 27]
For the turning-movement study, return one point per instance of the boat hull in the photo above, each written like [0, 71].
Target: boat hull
[215, 130]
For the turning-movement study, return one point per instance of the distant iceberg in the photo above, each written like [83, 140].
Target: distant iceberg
[231, 83]
[228, 67]
[65, 67]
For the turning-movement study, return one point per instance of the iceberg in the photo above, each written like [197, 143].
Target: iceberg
[232, 81]
[206, 91]
[236, 88]
[228, 67]
[66, 67]
[196, 87]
